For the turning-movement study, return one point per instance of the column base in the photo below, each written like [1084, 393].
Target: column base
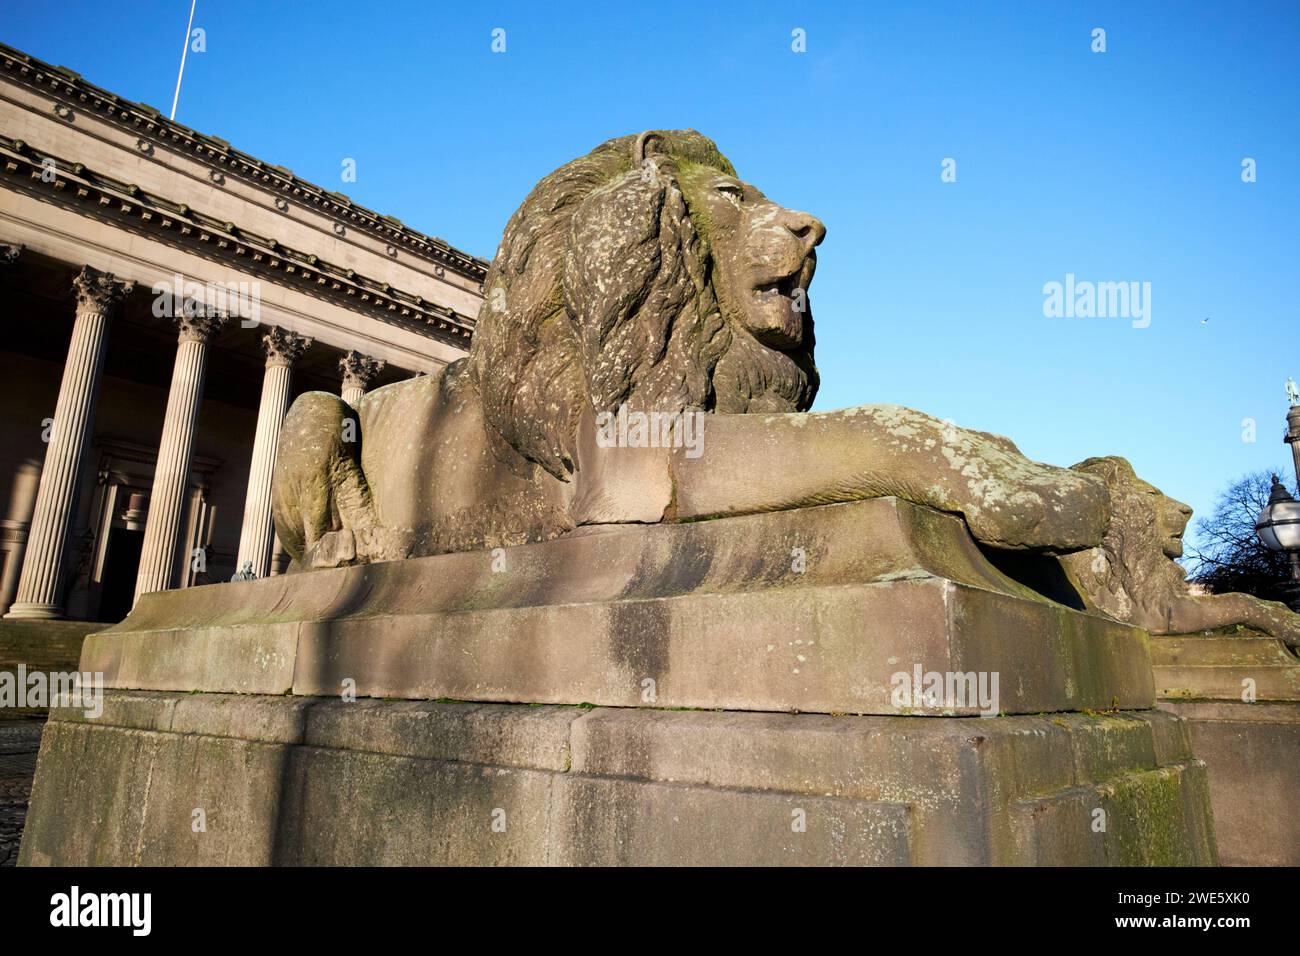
[38, 612]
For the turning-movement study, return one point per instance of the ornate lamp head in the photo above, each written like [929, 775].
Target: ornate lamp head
[1278, 524]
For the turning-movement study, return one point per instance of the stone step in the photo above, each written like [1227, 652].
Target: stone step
[1226, 650]
[1217, 682]
[1231, 667]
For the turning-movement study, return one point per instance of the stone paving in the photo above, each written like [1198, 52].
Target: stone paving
[19, 742]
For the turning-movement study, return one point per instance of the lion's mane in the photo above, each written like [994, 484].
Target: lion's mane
[601, 293]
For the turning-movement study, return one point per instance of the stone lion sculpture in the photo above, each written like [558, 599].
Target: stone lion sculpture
[642, 278]
[1132, 575]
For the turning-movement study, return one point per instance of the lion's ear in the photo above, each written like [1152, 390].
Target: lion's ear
[650, 155]
[649, 143]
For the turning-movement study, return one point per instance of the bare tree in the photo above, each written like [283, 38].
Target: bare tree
[1228, 555]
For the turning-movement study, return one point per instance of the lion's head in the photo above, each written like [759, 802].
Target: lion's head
[1135, 564]
[643, 273]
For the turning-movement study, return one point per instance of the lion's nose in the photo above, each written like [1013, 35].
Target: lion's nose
[806, 227]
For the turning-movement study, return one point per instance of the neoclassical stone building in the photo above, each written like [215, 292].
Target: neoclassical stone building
[164, 298]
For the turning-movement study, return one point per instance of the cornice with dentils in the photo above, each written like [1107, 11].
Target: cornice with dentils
[151, 126]
[73, 185]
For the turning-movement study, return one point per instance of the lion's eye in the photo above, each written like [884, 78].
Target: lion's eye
[732, 192]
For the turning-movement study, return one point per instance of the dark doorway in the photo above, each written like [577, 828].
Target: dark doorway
[121, 565]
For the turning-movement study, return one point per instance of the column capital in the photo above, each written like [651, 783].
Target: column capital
[359, 370]
[99, 291]
[283, 347]
[199, 325]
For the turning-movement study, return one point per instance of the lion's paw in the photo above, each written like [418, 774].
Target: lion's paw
[1012, 502]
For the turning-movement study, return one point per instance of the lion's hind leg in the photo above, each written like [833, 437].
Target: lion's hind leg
[319, 487]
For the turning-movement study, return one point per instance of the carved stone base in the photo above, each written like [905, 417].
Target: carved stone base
[723, 659]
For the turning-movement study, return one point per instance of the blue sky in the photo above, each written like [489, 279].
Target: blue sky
[1115, 166]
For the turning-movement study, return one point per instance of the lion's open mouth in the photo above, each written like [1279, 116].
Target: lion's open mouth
[786, 286]
[780, 307]
[783, 287]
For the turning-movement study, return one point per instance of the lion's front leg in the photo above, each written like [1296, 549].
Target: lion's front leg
[319, 495]
[753, 463]
[1192, 613]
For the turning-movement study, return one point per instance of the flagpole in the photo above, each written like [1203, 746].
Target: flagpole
[184, 49]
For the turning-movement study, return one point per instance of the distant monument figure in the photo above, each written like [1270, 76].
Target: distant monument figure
[245, 573]
[1292, 392]
[648, 275]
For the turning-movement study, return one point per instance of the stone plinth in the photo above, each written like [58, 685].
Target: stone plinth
[714, 613]
[1240, 696]
[716, 692]
[309, 781]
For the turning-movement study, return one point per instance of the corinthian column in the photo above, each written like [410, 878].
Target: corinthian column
[282, 350]
[39, 588]
[358, 372]
[171, 475]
